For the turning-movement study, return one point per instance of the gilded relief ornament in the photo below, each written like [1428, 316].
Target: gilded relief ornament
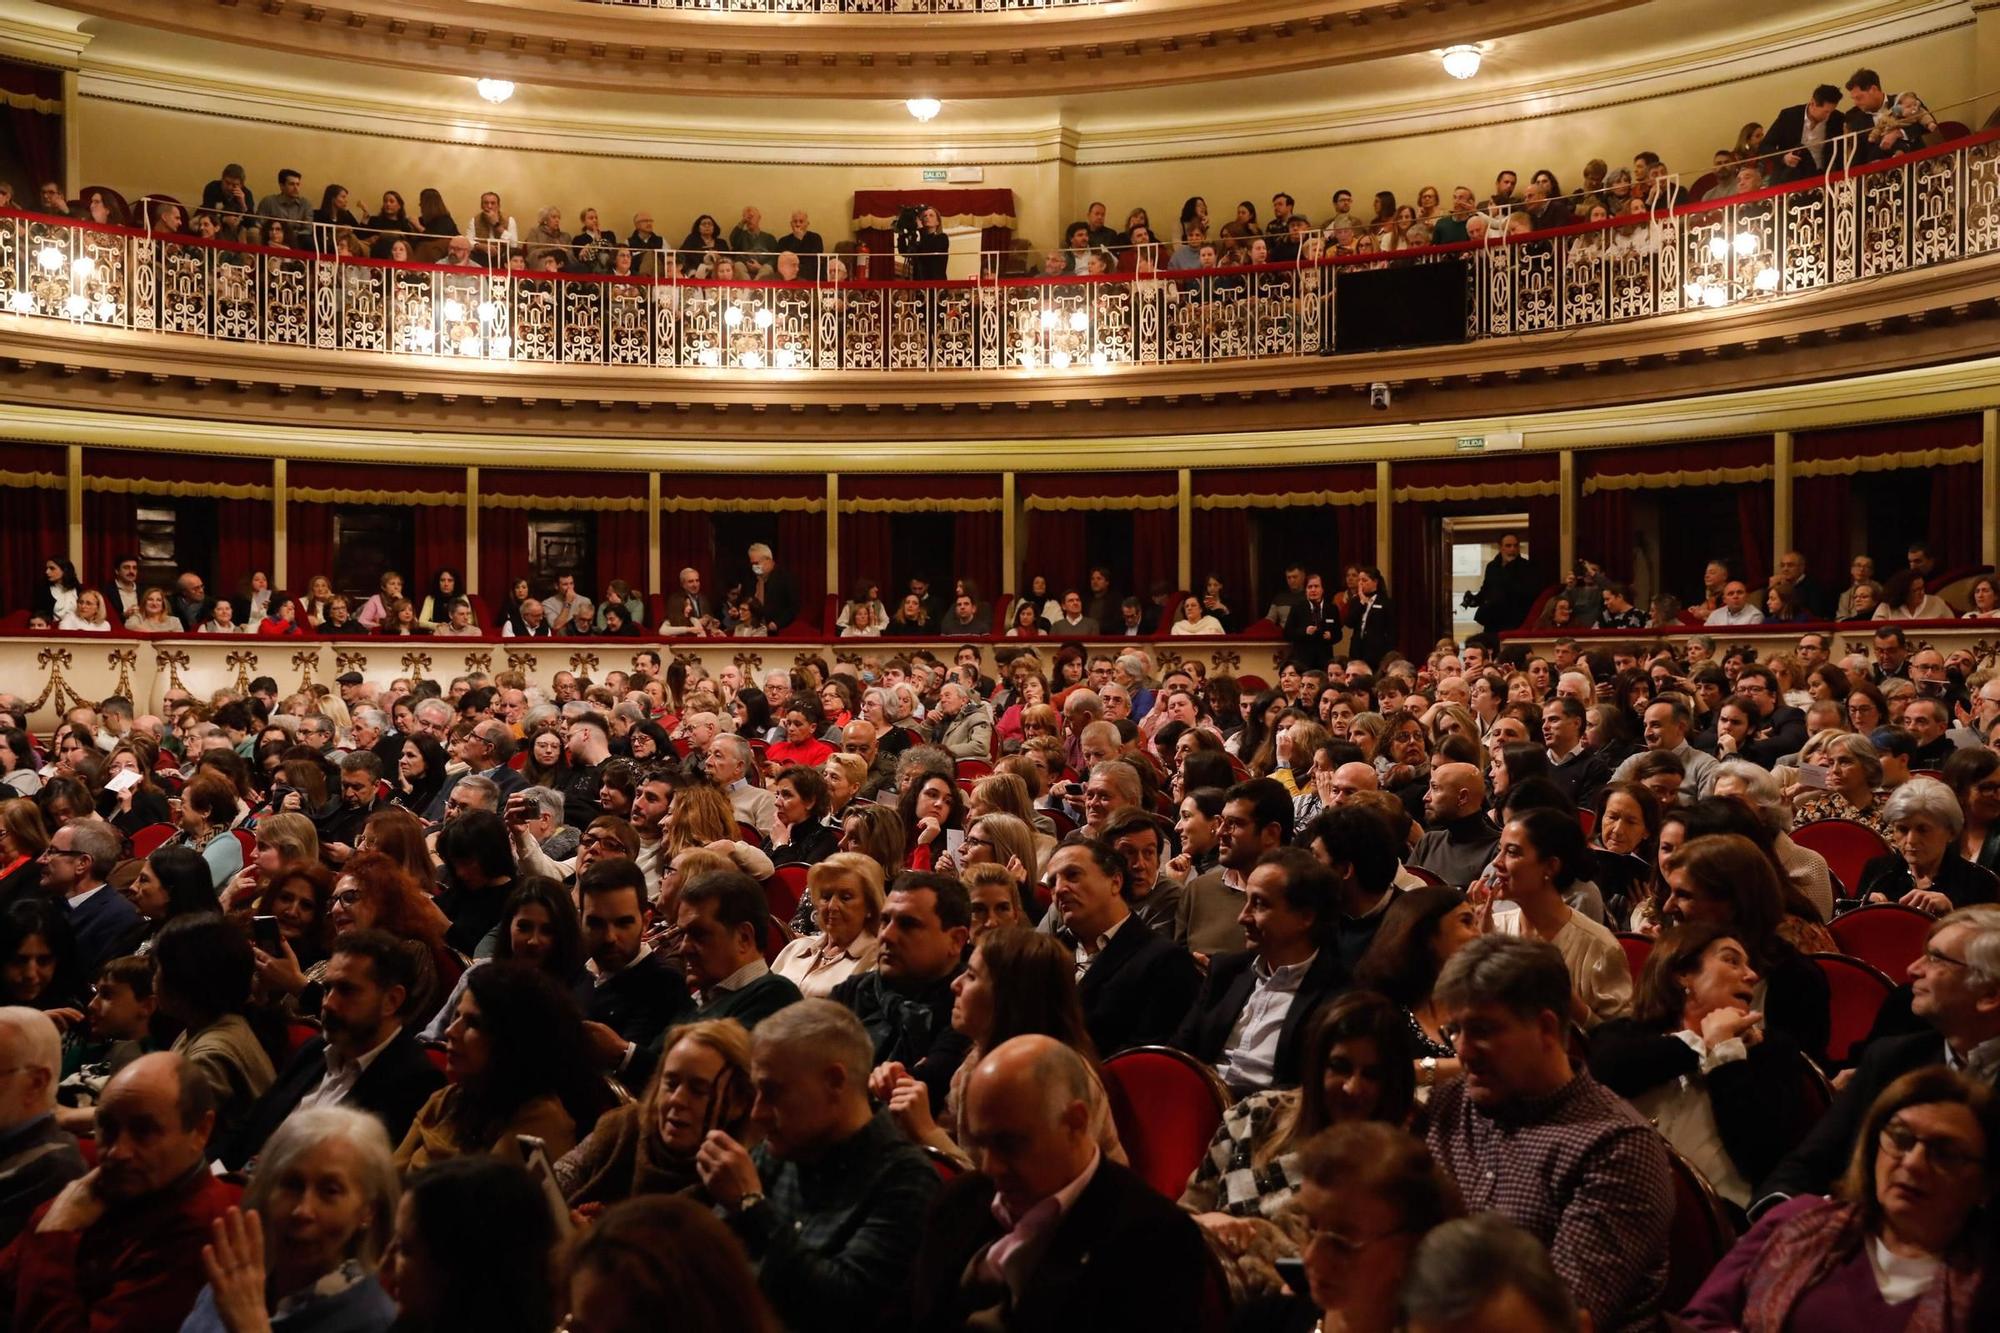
[305, 664]
[583, 664]
[521, 662]
[416, 664]
[124, 659]
[174, 661]
[245, 663]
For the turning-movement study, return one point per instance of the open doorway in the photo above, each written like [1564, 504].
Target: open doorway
[1470, 543]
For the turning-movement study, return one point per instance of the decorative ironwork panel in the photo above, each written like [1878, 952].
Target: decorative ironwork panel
[1537, 308]
[326, 304]
[145, 282]
[1315, 299]
[1584, 282]
[364, 308]
[1271, 316]
[288, 303]
[955, 338]
[1228, 317]
[534, 319]
[184, 288]
[992, 338]
[236, 283]
[1934, 210]
[463, 312]
[1982, 199]
[701, 326]
[583, 323]
[629, 323]
[412, 312]
[910, 330]
[1843, 215]
[830, 321]
[793, 325]
[864, 334]
[1884, 223]
[1628, 278]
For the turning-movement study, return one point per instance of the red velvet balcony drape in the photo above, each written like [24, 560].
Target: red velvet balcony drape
[34, 109]
[243, 527]
[1057, 543]
[867, 534]
[437, 531]
[1222, 548]
[867, 548]
[1821, 504]
[687, 541]
[688, 532]
[620, 532]
[503, 553]
[976, 539]
[34, 519]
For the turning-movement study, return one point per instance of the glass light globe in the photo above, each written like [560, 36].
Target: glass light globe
[1461, 62]
[1078, 320]
[495, 91]
[1767, 279]
[1059, 359]
[454, 310]
[1746, 244]
[925, 109]
[82, 267]
[732, 316]
[765, 319]
[1719, 246]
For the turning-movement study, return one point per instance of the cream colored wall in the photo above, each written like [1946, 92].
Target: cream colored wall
[139, 150]
[143, 148]
[1685, 131]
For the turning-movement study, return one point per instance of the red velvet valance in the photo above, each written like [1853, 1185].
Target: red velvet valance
[195, 470]
[386, 477]
[574, 483]
[18, 462]
[1096, 485]
[932, 486]
[1482, 473]
[1347, 478]
[19, 80]
[877, 209]
[726, 487]
[1900, 437]
[1673, 461]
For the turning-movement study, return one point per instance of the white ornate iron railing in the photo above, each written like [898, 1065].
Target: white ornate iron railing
[1926, 208]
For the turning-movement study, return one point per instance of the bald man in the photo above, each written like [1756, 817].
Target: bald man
[1046, 1233]
[120, 1247]
[1461, 838]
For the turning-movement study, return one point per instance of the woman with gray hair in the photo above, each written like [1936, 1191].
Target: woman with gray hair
[304, 1248]
[1926, 870]
[1853, 770]
[1804, 867]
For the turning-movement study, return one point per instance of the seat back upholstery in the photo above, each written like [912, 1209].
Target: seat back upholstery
[1887, 936]
[1846, 845]
[1855, 991]
[1167, 1106]
[1700, 1234]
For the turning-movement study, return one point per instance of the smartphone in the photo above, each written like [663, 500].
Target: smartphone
[1073, 790]
[1293, 1271]
[264, 930]
[517, 809]
[1814, 776]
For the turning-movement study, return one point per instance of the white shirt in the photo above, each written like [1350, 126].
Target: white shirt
[80, 899]
[1250, 1056]
[1686, 1116]
[1085, 957]
[740, 978]
[337, 1085]
[1722, 615]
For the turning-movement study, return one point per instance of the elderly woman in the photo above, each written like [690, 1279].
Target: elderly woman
[1926, 871]
[1853, 772]
[1358, 1066]
[847, 897]
[1694, 1058]
[1368, 1194]
[304, 1248]
[702, 1084]
[1758, 788]
[1904, 1246]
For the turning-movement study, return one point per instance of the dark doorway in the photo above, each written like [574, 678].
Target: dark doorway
[561, 544]
[369, 541]
[1696, 524]
[1107, 541]
[733, 535]
[1308, 536]
[1898, 508]
[920, 547]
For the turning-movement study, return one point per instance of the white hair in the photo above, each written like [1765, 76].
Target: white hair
[39, 1045]
[759, 549]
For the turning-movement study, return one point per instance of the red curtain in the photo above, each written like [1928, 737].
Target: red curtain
[1054, 549]
[437, 541]
[110, 529]
[975, 549]
[37, 135]
[866, 550]
[1155, 550]
[1820, 516]
[1955, 502]
[243, 540]
[1416, 588]
[1356, 534]
[1604, 531]
[955, 207]
[308, 543]
[1753, 524]
[802, 549]
[687, 541]
[503, 552]
[621, 548]
[1222, 548]
[34, 521]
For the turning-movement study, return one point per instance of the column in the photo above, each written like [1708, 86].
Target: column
[472, 530]
[833, 533]
[1781, 495]
[72, 139]
[1566, 473]
[1385, 518]
[1184, 528]
[74, 462]
[653, 569]
[280, 558]
[1010, 564]
[1989, 477]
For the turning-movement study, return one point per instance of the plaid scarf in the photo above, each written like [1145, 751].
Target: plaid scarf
[1804, 1250]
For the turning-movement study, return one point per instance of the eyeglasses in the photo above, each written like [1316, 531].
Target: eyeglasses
[1348, 1245]
[1899, 1141]
[349, 898]
[1933, 956]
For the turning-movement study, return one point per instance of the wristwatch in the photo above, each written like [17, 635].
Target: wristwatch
[1427, 1071]
[747, 1202]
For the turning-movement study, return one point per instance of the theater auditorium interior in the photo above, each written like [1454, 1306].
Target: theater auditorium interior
[870, 736]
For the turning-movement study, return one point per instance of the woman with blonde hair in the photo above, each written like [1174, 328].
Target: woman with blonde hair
[702, 1083]
[845, 775]
[1007, 792]
[282, 840]
[700, 815]
[846, 895]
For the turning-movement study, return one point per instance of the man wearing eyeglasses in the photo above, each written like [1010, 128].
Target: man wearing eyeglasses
[1531, 1137]
[78, 858]
[484, 751]
[1778, 728]
[1955, 990]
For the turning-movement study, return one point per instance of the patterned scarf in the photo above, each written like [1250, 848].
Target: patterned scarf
[1804, 1251]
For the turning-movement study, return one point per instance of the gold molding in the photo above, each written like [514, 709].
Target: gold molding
[1647, 481]
[943, 506]
[1284, 500]
[1911, 458]
[1069, 504]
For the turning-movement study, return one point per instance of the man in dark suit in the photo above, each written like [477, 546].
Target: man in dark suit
[1250, 1019]
[1049, 1235]
[905, 1001]
[1778, 729]
[773, 588]
[79, 856]
[1959, 999]
[1313, 628]
[689, 611]
[637, 993]
[1508, 591]
[1135, 986]
[484, 750]
[1101, 603]
[1804, 140]
[364, 1058]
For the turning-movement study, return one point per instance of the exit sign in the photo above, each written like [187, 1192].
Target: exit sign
[934, 175]
[1497, 440]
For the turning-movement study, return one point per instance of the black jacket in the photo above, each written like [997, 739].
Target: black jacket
[1957, 879]
[1813, 1166]
[911, 1026]
[1306, 630]
[1374, 626]
[639, 1004]
[1137, 991]
[1507, 593]
[1204, 1033]
[1123, 1259]
[1783, 733]
[1761, 1104]
[1786, 134]
[392, 1089]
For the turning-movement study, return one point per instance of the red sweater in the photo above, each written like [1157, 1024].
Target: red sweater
[137, 1269]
